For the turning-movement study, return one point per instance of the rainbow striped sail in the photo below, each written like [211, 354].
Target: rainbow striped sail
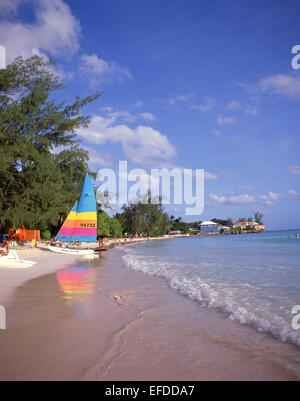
[81, 223]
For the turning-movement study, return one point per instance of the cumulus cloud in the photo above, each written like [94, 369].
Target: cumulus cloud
[127, 117]
[233, 106]
[270, 198]
[9, 7]
[210, 176]
[233, 199]
[246, 108]
[208, 104]
[251, 110]
[225, 120]
[287, 85]
[172, 100]
[141, 145]
[216, 132]
[98, 70]
[54, 30]
[294, 193]
[247, 188]
[295, 170]
[96, 158]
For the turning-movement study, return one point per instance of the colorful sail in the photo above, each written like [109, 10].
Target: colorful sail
[66, 231]
[83, 224]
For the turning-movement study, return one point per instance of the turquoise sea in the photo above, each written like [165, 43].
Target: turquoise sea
[253, 278]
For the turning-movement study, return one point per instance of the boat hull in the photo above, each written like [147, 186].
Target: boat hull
[70, 251]
[12, 260]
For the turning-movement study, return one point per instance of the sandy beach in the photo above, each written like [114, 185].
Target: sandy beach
[46, 262]
[105, 321]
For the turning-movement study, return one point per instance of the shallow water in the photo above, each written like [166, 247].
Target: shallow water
[253, 278]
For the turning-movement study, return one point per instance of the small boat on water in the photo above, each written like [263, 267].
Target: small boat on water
[80, 225]
[13, 260]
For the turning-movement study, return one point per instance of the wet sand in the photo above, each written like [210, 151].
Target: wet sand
[107, 322]
[46, 262]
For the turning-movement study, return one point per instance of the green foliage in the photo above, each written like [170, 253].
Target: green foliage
[178, 224]
[37, 186]
[235, 230]
[46, 235]
[258, 216]
[108, 226]
[144, 218]
[227, 223]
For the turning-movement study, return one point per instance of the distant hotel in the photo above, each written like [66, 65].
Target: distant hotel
[243, 224]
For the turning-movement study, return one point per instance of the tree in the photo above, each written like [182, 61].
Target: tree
[258, 216]
[37, 186]
[227, 223]
[108, 226]
[179, 225]
[144, 217]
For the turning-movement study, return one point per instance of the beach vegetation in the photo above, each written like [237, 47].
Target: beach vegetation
[143, 218]
[108, 226]
[46, 235]
[227, 223]
[42, 165]
[258, 216]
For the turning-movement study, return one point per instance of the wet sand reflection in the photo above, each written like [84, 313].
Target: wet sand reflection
[77, 284]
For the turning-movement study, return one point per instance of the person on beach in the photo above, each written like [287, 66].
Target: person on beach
[297, 235]
[5, 249]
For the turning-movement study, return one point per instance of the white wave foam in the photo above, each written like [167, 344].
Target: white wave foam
[244, 302]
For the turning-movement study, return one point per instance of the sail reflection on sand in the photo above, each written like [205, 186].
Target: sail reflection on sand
[77, 284]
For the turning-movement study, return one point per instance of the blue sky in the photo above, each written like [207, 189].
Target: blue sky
[188, 84]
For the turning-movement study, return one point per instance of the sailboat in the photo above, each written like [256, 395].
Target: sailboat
[13, 260]
[81, 223]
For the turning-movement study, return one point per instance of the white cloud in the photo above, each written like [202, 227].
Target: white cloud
[208, 104]
[225, 120]
[216, 132]
[97, 159]
[8, 7]
[232, 200]
[127, 117]
[218, 199]
[137, 104]
[233, 106]
[98, 70]
[147, 116]
[247, 188]
[294, 193]
[295, 170]
[141, 145]
[251, 110]
[270, 198]
[54, 31]
[172, 100]
[210, 176]
[287, 85]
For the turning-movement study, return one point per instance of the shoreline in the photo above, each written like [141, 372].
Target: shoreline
[132, 326]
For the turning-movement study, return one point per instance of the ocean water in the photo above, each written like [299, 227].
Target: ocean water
[253, 278]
